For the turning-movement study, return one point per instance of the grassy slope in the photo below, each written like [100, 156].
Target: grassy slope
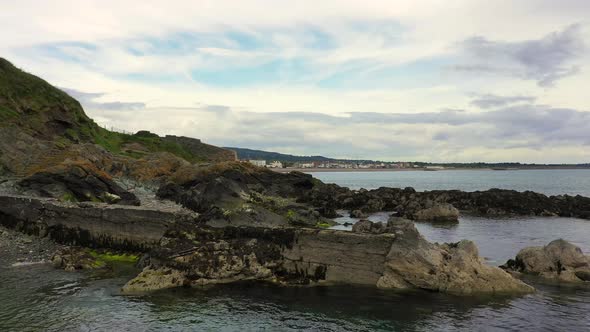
[31, 103]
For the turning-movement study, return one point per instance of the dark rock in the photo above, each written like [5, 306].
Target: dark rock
[559, 260]
[78, 182]
[358, 214]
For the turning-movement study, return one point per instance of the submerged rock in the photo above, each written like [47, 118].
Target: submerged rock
[559, 260]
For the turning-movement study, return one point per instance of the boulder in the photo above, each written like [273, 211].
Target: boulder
[559, 260]
[438, 213]
[153, 279]
[454, 268]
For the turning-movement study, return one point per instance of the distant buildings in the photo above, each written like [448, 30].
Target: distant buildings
[261, 163]
[339, 164]
[275, 164]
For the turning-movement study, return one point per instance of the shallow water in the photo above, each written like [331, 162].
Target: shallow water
[40, 298]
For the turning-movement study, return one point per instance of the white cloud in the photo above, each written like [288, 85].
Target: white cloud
[385, 56]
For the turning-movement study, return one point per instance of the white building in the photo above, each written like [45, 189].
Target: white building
[306, 165]
[261, 163]
[275, 164]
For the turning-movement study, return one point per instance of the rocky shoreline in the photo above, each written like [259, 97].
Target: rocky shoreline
[196, 216]
[17, 248]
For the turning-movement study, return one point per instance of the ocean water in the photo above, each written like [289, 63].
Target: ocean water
[40, 298]
[549, 182]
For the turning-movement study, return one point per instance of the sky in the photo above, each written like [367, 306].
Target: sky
[422, 80]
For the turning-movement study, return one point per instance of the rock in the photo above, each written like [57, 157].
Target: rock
[438, 213]
[407, 202]
[559, 260]
[110, 198]
[151, 279]
[358, 214]
[454, 268]
[367, 226]
[76, 258]
[78, 181]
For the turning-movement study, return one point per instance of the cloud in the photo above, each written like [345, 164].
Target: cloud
[491, 101]
[544, 60]
[88, 100]
[512, 132]
[335, 77]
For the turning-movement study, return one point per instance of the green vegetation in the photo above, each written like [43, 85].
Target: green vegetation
[7, 114]
[44, 111]
[115, 142]
[68, 197]
[32, 103]
[291, 216]
[323, 225]
[109, 257]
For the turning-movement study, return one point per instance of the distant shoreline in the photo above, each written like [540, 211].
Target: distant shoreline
[324, 170]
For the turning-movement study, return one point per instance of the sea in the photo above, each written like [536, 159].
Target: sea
[39, 298]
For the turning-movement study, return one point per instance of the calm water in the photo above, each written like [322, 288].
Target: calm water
[550, 182]
[39, 298]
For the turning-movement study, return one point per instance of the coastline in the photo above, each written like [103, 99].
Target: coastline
[326, 170]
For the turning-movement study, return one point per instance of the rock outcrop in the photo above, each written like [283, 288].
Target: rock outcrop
[77, 181]
[88, 224]
[408, 202]
[184, 251]
[391, 255]
[242, 194]
[412, 262]
[559, 260]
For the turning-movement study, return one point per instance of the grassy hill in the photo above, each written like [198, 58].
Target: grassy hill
[45, 112]
[245, 154]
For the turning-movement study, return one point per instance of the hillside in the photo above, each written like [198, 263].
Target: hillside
[244, 154]
[37, 118]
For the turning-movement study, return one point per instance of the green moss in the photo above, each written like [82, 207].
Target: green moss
[68, 197]
[323, 225]
[291, 216]
[108, 257]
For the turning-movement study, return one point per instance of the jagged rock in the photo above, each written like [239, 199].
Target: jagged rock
[438, 213]
[77, 181]
[242, 194]
[407, 202]
[153, 279]
[75, 258]
[456, 268]
[559, 260]
[367, 226]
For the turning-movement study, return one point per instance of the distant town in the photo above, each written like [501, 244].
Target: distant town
[337, 165]
[280, 161]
